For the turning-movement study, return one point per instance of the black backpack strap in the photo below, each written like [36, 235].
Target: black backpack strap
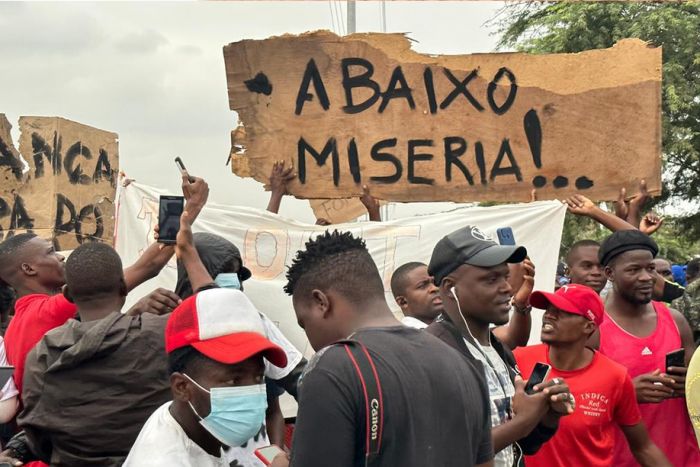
[372, 390]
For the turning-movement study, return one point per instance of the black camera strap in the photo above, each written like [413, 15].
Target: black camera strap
[374, 403]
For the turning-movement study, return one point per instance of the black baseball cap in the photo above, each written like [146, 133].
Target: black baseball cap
[469, 245]
[625, 240]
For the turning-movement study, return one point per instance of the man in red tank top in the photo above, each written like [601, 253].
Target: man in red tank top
[638, 333]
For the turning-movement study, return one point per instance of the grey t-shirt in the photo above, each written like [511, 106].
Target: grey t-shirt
[501, 391]
[436, 412]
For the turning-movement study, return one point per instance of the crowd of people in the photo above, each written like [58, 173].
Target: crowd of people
[193, 376]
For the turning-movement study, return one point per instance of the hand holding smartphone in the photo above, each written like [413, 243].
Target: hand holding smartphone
[675, 359]
[506, 236]
[183, 170]
[170, 209]
[539, 374]
[268, 453]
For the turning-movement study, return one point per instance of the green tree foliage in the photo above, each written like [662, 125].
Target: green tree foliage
[574, 27]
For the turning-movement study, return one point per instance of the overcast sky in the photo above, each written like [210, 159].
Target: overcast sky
[154, 72]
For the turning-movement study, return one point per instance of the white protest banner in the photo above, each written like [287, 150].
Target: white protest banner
[268, 242]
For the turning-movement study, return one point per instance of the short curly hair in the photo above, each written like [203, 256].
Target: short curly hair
[335, 260]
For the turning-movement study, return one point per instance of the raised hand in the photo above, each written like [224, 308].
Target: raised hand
[653, 387]
[580, 205]
[622, 205]
[371, 204]
[521, 299]
[279, 178]
[650, 223]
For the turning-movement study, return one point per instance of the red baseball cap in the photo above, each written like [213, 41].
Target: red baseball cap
[222, 324]
[572, 298]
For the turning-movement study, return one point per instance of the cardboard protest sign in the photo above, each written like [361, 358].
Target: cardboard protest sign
[336, 211]
[68, 193]
[339, 210]
[366, 109]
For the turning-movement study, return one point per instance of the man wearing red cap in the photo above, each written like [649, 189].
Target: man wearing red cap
[216, 344]
[602, 389]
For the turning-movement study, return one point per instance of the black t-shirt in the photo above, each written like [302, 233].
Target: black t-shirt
[436, 410]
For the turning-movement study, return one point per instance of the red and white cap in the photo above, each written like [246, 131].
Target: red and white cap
[222, 324]
[573, 298]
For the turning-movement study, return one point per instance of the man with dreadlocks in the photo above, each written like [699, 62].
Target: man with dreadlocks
[388, 395]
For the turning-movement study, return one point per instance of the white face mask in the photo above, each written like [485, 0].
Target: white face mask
[236, 413]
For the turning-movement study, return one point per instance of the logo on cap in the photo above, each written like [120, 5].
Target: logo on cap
[591, 316]
[478, 234]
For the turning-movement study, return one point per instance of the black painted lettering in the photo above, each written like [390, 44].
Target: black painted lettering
[512, 169]
[460, 87]
[584, 183]
[455, 147]
[362, 80]
[20, 218]
[560, 182]
[89, 211]
[402, 92]
[354, 161]
[480, 161]
[414, 157]
[41, 149]
[63, 204]
[533, 131]
[430, 89]
[8, 159]
[76, 175]
[311, 75]
[386, 157]
[330, 149]
[493, 85]
[103, 169]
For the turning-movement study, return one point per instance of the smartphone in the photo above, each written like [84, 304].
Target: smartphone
[539, 374]
[505, 236]
[183, 170]
[5, 374]
[675, 358]
[169, 211]
[267, 454]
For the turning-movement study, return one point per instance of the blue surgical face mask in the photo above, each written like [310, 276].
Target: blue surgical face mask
[237, 412]
[228, 280]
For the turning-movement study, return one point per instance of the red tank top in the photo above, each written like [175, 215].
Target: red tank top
[668, 423]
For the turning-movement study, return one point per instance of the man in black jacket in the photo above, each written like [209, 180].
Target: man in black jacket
[471, 271]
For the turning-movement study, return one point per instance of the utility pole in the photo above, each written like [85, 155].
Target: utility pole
[351, 16]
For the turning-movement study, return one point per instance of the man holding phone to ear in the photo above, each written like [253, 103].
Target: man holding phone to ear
[472, 273]
[602, 389]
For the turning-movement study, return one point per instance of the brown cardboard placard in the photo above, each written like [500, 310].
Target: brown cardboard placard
[68, 193]
[366, 109]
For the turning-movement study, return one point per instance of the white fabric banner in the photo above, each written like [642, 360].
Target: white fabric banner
[268, 242]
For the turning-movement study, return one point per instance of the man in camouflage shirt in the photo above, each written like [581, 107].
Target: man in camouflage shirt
[689, 303]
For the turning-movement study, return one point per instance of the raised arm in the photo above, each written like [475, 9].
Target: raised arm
[582, 206]
[187, 253]
[156, 256]
[517, 332]
[278, 185]
[371, 204]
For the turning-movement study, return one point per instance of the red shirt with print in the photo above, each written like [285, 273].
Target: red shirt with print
[35, 315]
[605, 398]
